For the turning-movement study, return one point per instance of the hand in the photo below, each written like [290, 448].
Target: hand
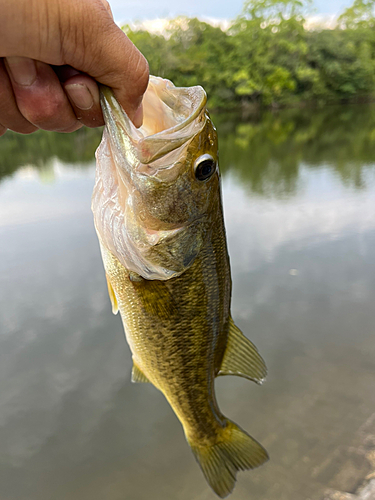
[52, 53]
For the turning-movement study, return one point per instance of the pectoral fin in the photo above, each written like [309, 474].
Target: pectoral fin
[138, 375]
[242, 357]
[112, 296]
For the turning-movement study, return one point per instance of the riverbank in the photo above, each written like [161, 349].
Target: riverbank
[351, 471]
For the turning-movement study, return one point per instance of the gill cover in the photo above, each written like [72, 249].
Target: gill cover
[129, 160]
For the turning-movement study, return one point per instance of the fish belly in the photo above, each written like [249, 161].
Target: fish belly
[175, 330]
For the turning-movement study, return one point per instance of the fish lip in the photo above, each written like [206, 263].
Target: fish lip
[108, 100]
[149, 148]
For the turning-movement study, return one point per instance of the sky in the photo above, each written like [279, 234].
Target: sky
[139, 10]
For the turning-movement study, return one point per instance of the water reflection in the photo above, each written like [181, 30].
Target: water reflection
[300, 214]
[40, 148]
[267, 153]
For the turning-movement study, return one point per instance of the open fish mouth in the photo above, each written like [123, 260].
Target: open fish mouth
[172, 116]
[149, 209]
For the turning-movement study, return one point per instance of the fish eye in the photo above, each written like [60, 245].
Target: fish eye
[204, 167]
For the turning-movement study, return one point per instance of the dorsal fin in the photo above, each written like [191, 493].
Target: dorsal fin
[138, 375]
[241, 357]
[112, 296]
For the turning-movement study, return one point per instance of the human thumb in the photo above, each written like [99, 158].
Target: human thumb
[94, 44]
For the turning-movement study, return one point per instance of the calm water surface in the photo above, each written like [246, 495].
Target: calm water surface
[299, 202]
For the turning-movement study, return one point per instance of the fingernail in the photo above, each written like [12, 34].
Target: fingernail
[80, 95]
[138, 117]
[22, 70]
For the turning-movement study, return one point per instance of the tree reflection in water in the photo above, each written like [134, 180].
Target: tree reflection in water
[266, 152]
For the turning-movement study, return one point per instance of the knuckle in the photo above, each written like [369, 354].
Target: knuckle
[48, 114]
[10, 116]
[106, 5]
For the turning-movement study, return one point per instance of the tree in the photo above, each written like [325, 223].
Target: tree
[270, 50]
[268, 57]
[275, 10]
[360, 15]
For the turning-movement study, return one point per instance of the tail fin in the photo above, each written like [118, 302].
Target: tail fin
[234, 451]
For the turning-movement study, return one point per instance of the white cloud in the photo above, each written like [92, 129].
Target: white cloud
[326, 21]
[160, 26]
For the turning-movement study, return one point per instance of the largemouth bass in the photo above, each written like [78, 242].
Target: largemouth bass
[158, 215]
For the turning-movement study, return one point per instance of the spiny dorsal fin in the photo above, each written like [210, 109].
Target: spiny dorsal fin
[241, 357]
[112, 296]
[138, 375]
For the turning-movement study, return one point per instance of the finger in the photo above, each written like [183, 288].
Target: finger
[65, 72]
[10, 116]
[80, 88]
[39, 95]
[2, 130]
[80, 34]
[83, 94]
[101, 49]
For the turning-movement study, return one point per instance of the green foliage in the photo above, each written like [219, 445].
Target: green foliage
[194, 53]
[359, 15]
[268, 57]
[274, 10]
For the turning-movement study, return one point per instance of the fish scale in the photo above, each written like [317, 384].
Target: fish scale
[163, 243]
[184, 379]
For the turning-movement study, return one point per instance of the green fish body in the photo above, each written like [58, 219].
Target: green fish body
[158, 214]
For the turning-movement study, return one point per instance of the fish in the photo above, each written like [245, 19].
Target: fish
[158, 214]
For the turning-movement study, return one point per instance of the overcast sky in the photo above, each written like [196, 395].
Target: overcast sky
[131, 10]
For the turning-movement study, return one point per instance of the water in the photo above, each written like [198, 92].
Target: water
[299, 207]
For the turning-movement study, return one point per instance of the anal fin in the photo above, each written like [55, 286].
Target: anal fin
[112, 296]
[138, 375]
[241, 357]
